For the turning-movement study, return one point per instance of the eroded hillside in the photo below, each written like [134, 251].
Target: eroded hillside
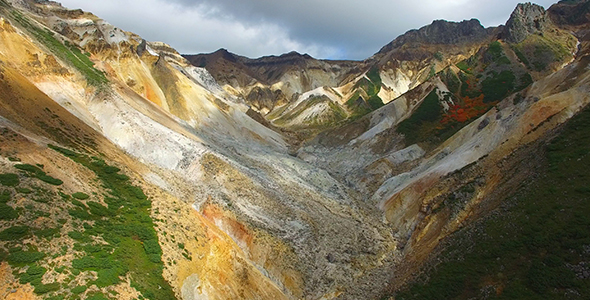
[276, 178]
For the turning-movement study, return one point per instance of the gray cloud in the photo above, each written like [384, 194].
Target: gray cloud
[323, 28]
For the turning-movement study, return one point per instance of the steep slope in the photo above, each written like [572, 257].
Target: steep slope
[534, 245]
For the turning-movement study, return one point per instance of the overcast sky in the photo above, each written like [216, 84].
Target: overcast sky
[331, 29]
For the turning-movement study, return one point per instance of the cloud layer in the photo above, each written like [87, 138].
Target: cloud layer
[333, 29]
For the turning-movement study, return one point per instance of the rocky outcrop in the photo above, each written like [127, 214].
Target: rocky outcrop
[527, 19]
[442, 32]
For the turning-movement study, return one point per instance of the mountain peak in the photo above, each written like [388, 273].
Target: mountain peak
[526, 19]
[441, 32]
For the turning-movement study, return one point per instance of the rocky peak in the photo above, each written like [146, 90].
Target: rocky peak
[526, 19]
[441, 32]
[571, 12]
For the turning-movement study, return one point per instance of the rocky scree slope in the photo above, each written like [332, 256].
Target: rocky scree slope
[235, 213]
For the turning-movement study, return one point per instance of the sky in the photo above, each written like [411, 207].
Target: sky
[327, 29]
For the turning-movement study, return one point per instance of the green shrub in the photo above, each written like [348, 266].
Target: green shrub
[46, 288]
[50, 180]
[127, 228]
[79, 236]
[7, 212]
[25, 257]
[97, 296]
[79, 290]
[78, 203]
[80, 214]
[36, 271]
[38, 173]
[5, 196]
[24, 190]
[46, 233]
[80, 196]
[111, 169]
[28, 168]
[9, 179]
[14, 233]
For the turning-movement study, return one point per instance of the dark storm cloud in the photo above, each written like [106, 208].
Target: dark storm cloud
[322, 28]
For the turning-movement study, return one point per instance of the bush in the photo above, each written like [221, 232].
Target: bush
[36, 271]
[46, 233]
[25, 257]
[79, 290]
[24, 190]
[38, 173]
[80, 196]
[79, 236]
[7, 212]
[50, 180]
[14, 233]
[9, 179]
[111, 169]
[46, 288]
[28, 168]
[428, 111]
[80, 214]
[4, 196]
[98, 209]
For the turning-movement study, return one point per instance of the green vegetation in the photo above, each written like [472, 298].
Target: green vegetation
[80, 195]
[372, 87]
[438, 56]
[20, 258]
[47, 233]
[498, 86]
[9, 179]
[79, 290]
[463, 66]
[6, 211]
[420, 124]
[33, 276]
[127, 228]
[67, 52]
[14, 233]
[24, 190]
[536, 246]
[38, 173]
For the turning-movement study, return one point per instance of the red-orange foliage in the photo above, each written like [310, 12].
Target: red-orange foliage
[469, 109]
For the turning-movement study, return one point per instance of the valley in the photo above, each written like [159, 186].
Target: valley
[130, 171]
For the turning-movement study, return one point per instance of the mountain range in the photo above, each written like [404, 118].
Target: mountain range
[451, 164]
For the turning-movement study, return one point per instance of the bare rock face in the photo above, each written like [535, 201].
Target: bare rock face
[526, 19]
[441, 32]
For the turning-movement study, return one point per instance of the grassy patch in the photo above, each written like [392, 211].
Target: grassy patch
[38, 173]
[127, 228]
[67, 52]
